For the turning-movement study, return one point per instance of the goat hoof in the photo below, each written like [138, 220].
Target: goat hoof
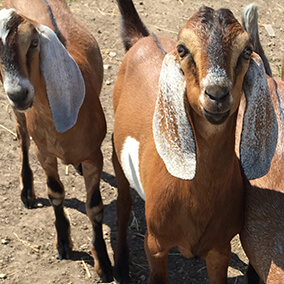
[64, 251]
[28, 198]
[107, 278]
[121, 276]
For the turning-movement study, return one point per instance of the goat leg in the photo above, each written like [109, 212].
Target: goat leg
[92, 173]
[26, 175]
[123, 208]
[56, 195]
[217, 262]
[157, 258]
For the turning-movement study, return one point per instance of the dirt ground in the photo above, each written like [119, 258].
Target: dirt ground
[27, 248]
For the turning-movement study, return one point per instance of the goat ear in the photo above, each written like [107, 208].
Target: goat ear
[65, 85]
[260, 129]
[173, 134]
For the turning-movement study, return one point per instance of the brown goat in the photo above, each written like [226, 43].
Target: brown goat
[174, 137]
[262, 236]
[52, 72]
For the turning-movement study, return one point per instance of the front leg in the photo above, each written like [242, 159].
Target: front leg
[217, 261]
[26, 175]
[56, 195]
[157, 258]
[92, 171]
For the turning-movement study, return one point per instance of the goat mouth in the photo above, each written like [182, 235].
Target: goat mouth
[216, 118]
[23, 109]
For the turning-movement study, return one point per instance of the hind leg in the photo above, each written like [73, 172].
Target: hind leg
[92, 171]
[56, 195]
[123, 208]
[26, 175]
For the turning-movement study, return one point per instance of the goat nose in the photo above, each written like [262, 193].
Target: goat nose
[217, 93]
[18, 96]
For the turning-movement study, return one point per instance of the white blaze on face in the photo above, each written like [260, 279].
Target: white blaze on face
[5, 16]
[130, 164]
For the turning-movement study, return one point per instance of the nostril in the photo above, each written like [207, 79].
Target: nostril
[217, 93]
[20, 98]
[18, 95]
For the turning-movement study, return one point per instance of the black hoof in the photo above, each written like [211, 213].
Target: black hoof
[64, 252]
[28, 198]
[121, 275]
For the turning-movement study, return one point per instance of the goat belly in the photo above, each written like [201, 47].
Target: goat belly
[130, 164]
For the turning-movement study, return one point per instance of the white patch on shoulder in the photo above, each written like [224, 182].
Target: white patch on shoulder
[130, 164]
[5, 15]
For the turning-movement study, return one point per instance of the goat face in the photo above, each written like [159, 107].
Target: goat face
[19, 46]
[29, 50]
[214, 54]
[206, 75]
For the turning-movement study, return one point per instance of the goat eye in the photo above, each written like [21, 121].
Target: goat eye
[34, 43]
[247, 53]
[182, 51]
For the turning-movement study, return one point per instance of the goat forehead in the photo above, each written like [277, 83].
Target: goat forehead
[5, 17]
[217, 32]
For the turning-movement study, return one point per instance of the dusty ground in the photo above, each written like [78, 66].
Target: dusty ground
[27, 250]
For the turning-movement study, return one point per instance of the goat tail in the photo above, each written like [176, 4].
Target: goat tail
[132, 27]
[250, 24]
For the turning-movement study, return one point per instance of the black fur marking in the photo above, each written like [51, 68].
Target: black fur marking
[53, 184]
[251, 275]
[96, 198]
[101, 251]
[159, 44]
[62, 227]
[52, 18]
[27, 179]
[9, 52]
[132, 27]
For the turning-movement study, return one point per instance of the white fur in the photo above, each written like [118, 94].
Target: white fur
[5, 15]
[130, 164]
[173, 134]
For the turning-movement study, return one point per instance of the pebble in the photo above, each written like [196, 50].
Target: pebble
[5, 241]
[39, 205]
[108, 82]
[3, 276]
[112, 54]
[107, 67]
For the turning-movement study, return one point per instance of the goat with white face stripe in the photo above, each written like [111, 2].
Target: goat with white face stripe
[53, 81]
[174, 137]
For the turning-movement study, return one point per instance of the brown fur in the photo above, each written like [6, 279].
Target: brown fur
[81, 143]
[201, 215]
[262, 236]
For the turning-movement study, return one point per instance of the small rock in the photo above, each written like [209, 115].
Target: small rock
[3, 276]
[5, 241]
[112, 54]
[108, 82]
[107, 67]
[39, 205]
[143, 277]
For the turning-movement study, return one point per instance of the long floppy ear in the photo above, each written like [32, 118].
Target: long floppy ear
[260, 129]
[65, 85]
[173, 134]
